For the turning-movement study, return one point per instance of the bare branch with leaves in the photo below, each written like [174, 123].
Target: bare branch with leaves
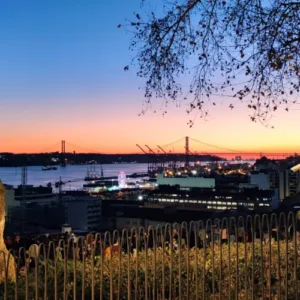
[241, 49]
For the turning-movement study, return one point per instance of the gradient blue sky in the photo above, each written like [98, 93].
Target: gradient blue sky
[61, 77]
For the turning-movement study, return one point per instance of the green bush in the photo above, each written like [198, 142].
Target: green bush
[217, 272]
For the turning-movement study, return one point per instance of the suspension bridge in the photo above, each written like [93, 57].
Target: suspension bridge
[186, 145]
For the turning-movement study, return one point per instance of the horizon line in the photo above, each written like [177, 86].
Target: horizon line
[159, 153]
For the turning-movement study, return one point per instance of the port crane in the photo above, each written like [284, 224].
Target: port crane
[150, 149]
[141, 149]
[161, 149]
[157, 163]
[152, 159]
[167, 160]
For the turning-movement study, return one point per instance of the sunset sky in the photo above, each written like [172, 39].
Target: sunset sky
[62, 78]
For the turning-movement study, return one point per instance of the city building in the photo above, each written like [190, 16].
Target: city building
[261, 179]
[10, 201]
[35, 218]
[284, 176]
[289, 182]
[186, 181]
[204, 200]
[31, 193]
[265, 164]
[82, 212]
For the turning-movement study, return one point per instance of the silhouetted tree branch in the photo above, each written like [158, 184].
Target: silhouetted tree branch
[242, 49]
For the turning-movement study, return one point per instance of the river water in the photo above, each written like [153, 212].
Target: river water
[36, 176]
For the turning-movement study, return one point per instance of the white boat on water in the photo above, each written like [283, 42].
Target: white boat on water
[47, 168]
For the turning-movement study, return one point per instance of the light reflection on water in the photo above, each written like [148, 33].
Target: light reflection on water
[36, 176]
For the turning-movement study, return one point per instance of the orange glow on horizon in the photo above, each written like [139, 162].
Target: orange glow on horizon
[110, 131]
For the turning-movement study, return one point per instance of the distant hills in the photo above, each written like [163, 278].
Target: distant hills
[56, 158]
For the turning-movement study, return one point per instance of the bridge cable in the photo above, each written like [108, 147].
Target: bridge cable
[83, 148]
[173, 143]
[215, 146]
[50, 147]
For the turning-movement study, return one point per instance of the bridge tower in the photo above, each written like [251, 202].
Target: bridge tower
[63, 152]
[187, 151]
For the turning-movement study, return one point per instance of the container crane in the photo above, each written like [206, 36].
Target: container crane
[161, 149]
[150, 164]
[150, 149]
[158, 162]
[141, 149]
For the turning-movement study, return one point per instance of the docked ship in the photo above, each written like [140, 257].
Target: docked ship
[48, 168]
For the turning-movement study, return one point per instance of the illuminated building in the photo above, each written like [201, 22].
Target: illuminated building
[186, 181]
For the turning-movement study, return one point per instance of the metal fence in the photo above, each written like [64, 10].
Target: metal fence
[253, 257]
